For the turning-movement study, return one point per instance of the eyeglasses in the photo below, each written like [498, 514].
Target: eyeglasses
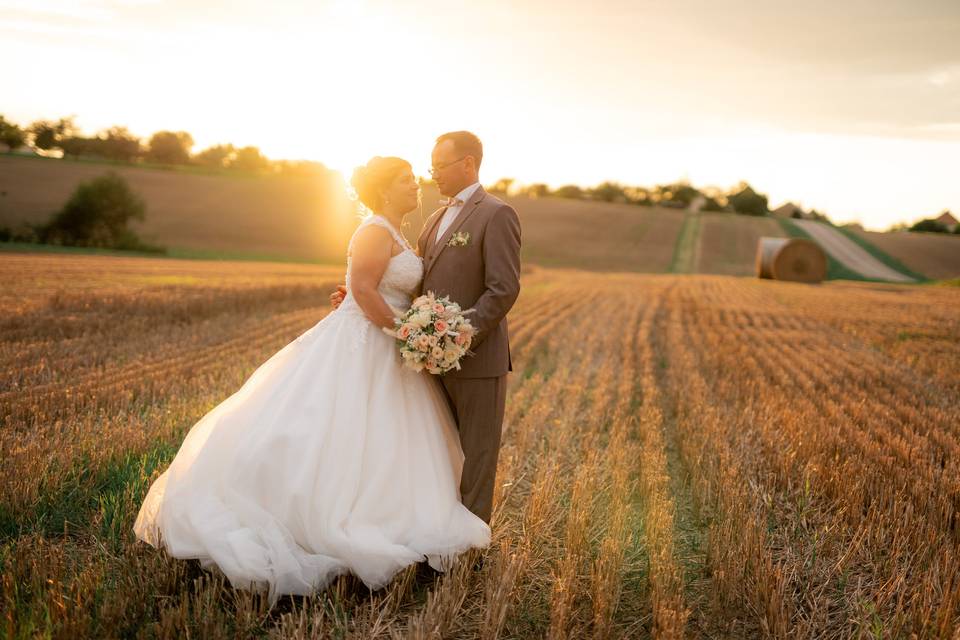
[435, 169]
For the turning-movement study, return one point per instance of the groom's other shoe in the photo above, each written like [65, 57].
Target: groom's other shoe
[425, 574]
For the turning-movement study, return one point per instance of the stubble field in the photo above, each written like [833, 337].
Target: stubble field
[684, 456]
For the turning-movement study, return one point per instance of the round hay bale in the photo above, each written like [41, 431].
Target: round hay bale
[793, 259]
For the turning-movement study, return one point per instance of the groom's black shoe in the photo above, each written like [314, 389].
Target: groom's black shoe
[425, 573]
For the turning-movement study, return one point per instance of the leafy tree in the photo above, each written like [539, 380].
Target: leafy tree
[217, 156]
[249, 159]
[745, 200]
[817, 215]
[502, 185]
[930, 225]
[117, 143]
[538, 190]
[678, 194]
[608, 192]
[11, 135]
[79, 146]
[715, 199]
[712, 204]
[97, 215]
[47, 134]
[170, 147]
[638, 195]
[569, 191]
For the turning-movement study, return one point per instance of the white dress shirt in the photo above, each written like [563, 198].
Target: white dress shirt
[452, 212]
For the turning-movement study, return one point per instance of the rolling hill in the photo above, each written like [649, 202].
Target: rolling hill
[309, 219]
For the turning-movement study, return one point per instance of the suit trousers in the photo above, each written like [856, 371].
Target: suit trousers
[478, 406]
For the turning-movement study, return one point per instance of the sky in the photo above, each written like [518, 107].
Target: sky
[851, 107]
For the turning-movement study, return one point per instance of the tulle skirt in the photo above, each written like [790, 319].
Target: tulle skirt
[331, 458]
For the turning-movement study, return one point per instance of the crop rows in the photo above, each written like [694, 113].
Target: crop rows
[683, 456]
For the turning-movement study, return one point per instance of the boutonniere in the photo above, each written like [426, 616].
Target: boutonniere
[459, 239]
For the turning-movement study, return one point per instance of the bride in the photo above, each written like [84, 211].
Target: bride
[332, 457]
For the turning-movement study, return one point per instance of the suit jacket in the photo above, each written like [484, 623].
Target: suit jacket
[483, 274]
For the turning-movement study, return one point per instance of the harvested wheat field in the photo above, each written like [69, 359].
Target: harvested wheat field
[684, 456]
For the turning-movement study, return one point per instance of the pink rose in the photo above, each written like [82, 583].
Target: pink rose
[438, 308]
[441, 326]
[404, 332]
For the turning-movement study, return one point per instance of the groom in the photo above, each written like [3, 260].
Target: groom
[471, 252]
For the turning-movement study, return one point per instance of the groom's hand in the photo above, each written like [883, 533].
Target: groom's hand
[337, 296]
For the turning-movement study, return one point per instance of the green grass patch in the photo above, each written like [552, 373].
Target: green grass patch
[684, 251]
[953, 282]
[173, 253]
[108, 493]
[881, 255]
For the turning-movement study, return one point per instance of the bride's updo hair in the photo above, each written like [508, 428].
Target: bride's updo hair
[370, 180]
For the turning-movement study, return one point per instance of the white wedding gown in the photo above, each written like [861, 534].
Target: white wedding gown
[331, 458]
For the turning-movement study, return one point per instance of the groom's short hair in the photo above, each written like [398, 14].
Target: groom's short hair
[466, 144]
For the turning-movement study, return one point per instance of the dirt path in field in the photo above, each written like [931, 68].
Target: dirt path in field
[849, 252]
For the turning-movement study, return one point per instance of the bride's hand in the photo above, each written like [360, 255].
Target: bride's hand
[336, 298]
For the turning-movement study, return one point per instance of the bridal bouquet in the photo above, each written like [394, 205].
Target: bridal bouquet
[433, 334]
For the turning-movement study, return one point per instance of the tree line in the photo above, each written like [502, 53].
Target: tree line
[742, 198]
[175, 148]
[172, 148]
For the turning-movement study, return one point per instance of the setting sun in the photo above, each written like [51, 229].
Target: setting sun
[559, 96]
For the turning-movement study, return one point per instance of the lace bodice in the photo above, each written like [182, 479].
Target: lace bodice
[403, 274]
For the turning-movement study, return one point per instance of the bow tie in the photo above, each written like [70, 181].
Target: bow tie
[450, 202]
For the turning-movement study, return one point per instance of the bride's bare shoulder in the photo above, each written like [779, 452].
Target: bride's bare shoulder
[370, 240]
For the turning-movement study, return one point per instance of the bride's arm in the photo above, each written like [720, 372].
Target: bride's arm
[368, 262]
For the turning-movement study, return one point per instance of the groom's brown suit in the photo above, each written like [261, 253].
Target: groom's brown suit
[482, 274]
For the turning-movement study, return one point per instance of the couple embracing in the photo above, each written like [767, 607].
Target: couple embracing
[335, 458]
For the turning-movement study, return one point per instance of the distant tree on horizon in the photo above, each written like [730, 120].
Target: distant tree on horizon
[169, 147]
[638, 195]
[679, 194]
[818, 215]
[217, 156]
[11, 134]
[569, 191]
[747, 201]
[249, 159]
[536, 190]
[502, 185]
[115, 143]
[929, 225]
[47, 134]
[608, 192]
